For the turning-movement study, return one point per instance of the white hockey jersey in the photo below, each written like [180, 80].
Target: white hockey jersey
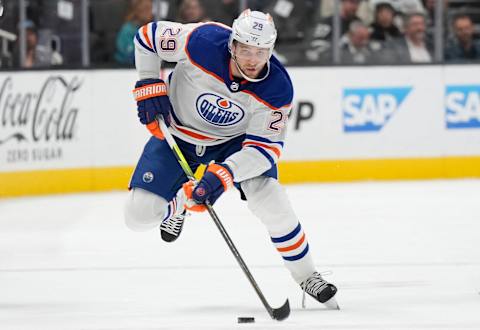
[210, 106]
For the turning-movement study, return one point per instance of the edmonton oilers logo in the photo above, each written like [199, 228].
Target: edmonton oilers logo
[219, 111]
[147, 177]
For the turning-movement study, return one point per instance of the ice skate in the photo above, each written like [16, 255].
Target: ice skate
[171, 228]
[320, 290]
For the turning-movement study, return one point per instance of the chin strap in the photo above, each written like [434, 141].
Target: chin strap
[245, 76]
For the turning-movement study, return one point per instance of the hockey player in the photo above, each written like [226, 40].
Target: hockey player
[226, 101]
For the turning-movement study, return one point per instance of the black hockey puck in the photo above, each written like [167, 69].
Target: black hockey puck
[246, 320]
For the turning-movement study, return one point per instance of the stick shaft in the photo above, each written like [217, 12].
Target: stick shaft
[188, 171]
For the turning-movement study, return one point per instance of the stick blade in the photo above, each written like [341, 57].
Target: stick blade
[281, 313]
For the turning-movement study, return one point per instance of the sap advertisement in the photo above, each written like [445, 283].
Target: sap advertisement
[369, 109]
[385, 112]
[462, 108]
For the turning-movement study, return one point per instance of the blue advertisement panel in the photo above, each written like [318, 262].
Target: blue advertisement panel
[370, 109]
[462, 106]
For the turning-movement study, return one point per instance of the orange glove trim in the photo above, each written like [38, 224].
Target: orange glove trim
[190, 204]
[154, 128]
[222, 174]
[149, 91]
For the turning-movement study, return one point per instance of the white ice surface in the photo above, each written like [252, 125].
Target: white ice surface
[404, 255]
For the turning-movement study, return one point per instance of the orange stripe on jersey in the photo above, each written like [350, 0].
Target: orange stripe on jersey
[195, 63]
[221, 25]
[294, 246]
[193, 134]
[145, 35]
[275, 150]
[256, 97]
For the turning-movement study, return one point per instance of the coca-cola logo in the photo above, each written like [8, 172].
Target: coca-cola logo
[35, 116]
[36, 124]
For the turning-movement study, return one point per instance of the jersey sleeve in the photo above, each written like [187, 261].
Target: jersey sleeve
[157, 41]
[263, 144]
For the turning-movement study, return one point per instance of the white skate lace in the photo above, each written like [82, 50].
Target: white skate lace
[314, 284]
[173, 225]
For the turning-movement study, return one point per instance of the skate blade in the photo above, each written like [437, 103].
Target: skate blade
[332, 304]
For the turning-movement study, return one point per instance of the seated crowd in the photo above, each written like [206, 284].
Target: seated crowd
[387, 32]
[370, 31]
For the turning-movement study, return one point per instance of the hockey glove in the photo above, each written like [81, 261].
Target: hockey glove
[217, 179]
[152, 101]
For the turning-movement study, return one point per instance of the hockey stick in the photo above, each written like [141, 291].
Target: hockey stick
[280, 313]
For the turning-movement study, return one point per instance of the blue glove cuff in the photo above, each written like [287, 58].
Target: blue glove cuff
[148, 81]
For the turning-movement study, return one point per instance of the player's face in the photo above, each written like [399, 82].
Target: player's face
[250, 59]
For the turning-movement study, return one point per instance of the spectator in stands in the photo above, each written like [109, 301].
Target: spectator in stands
[348, 14]
[413, 47]
[318, 37]
[192, 11]
[465, 5]
[430, 8]
[223, 11]
[408, 7]
[292, 18]
[463, 46]
[37, 55]
[366, 9]
[383, 27]
[357, 48]
[140, 13]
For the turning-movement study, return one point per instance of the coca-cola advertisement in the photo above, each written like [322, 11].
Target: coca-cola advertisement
[39, 119]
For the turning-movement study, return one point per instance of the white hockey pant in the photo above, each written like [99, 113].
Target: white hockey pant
[144, 210]
[268, 201]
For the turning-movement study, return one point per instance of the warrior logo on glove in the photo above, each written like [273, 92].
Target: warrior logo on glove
[152, 101]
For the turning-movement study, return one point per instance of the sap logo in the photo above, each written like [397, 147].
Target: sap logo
[462, 106]
[218, 111]
[369, 109]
